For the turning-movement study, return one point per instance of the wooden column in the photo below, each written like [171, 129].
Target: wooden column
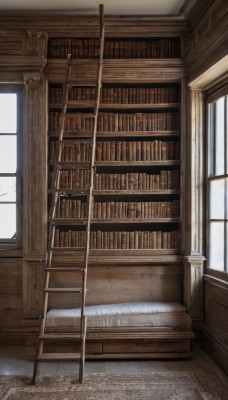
[35, 189]
[194, 258]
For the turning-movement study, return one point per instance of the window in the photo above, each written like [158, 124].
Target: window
[217, 183]
[10, 168]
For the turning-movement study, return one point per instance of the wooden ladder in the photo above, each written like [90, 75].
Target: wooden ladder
[56, 191]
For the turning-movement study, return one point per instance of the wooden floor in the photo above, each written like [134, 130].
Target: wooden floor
[18, 360]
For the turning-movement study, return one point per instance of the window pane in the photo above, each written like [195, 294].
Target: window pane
[8, 154]
[7, 188]
[219, 137]
[226, 133]
[226, 252]
[211, 139]
[217, 199]
[8, 112]
[216, 246]
[8, 221]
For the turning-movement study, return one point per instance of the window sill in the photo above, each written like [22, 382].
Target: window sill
[216, 274]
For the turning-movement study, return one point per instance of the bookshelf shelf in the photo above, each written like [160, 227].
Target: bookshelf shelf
[119, 62]
[75, 222]
[136, 192]
[118, 255]
[136, 221]
[127, 193]
[117, 106]
[139, 259]
[121, 134]
[129, 164]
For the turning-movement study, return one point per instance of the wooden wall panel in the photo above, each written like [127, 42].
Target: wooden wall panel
[116, 284]
[10, 294]
[216, 318]
[207, 40]
[115, 71]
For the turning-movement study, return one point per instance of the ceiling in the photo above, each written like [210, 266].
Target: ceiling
[111, 7]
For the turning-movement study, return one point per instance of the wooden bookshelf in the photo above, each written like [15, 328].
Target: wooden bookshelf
[137, 182]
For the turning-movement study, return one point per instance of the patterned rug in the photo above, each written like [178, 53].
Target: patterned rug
[155, 386]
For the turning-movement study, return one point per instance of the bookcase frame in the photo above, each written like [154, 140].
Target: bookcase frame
[109, 269]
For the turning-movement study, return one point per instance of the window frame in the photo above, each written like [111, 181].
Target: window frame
[8, 247]
[211, 95]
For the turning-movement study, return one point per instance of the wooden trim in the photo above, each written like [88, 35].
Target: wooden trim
[211, 76]
[12, 247]
[187, 8]
[77, 25]
[195, 10]
[221, 90]
[218, 88]
[216, 278]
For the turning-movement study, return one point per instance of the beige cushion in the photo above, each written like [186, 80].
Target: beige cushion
[122, 315]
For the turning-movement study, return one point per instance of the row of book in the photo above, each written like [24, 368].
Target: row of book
[119, 239]
[147, 150]
[138, 181]
[89, 48]
[115, 150]
[67, 208]
[77, 151]
[117, 122]
[120, 95]
[79, 179]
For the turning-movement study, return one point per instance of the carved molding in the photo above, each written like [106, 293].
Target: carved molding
[209, 77]
[36, 43]
[33, 80]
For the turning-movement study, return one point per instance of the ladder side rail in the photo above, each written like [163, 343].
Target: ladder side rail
[58, 151]
[97, 105]
[55, 184]
[93, 153]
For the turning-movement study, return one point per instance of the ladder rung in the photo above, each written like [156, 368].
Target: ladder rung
[63, 290]
[78, 192]
[68, 221]
[89, 103]
[70, 141]
[74, 134]
[68, 248]
[59, 356]
[72, 164]
[59, 336]
[73, 115]
[75, 84]
[65, 269]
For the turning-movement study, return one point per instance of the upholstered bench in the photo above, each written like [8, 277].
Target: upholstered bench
[130, 329]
